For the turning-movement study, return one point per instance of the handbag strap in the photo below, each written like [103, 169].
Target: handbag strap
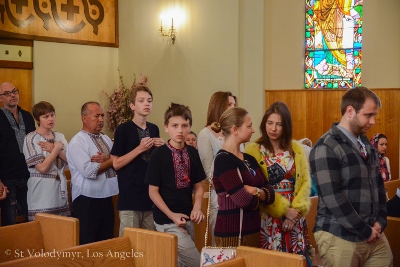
[241, 213]
[209, 200]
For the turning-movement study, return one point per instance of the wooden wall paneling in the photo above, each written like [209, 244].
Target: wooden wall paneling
[22, 79]
[77, 22]
[314, 111]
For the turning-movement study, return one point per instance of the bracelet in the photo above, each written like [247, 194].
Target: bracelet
[267, 193]
[258, 204]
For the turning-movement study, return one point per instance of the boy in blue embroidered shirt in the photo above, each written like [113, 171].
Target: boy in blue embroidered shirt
[174, 172]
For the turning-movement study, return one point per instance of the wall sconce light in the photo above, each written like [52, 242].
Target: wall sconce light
[170, 34]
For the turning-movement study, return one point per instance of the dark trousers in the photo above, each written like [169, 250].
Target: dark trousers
[15, 200]
[96, 218]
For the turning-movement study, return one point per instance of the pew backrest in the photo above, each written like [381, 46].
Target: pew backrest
[236, 262]
[111, 252]
[157, 249]
[392, 233]
[310, 219]
[391, 187]
[46, 233]
[256, 257]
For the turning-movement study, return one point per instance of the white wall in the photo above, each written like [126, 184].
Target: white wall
[68, 75]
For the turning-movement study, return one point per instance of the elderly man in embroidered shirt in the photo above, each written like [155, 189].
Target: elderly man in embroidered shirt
[94, 181]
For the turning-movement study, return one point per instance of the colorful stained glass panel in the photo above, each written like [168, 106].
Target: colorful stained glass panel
[333, 42]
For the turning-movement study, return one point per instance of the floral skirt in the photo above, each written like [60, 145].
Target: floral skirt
[295, 241]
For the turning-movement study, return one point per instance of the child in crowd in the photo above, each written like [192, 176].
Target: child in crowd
[174, 171]
[134, 142]
[191, 139]
[379, 141]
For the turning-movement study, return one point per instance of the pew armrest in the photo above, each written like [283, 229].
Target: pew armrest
[59, 232]
[162, 247]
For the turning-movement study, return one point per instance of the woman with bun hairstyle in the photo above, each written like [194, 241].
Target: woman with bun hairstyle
[239, 183]
[209, 143]
[283, 161]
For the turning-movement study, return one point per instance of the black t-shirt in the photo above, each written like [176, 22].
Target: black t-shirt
[133, 192]
[161, 173]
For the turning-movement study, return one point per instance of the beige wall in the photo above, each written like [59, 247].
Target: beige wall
[68, 75]
[237, 45]
[220, 47]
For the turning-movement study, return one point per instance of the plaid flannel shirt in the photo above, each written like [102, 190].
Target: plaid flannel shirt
[350, 189]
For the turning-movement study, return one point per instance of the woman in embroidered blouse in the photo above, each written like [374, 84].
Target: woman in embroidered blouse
[209, 143]
[239, 183]
[44, 152]
[379, 141]
[284, 163]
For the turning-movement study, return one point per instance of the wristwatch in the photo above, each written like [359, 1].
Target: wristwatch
[257, 193]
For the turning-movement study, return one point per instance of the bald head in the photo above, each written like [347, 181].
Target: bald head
[10, 101]
[6, 86]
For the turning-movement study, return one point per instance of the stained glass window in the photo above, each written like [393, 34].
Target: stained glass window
[333, 44]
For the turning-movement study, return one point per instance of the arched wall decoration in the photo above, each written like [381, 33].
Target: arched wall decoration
[92, 22]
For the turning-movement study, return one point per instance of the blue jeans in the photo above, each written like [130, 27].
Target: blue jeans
[16, 200]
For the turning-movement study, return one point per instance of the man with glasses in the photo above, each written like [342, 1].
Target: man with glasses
[15, 123]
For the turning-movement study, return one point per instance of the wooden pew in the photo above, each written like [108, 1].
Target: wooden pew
[200, 229]
[138, 247]
[310, 219]
[48, 232]
[391, 187]
[236, 262]
[255, 257]
[392, 233]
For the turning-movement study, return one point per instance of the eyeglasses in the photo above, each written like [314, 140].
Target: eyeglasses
[14, 91]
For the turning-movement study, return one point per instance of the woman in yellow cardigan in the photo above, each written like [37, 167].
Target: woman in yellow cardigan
[284, 163]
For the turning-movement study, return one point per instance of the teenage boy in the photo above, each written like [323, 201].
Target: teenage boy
[134, 141]
[175, 170]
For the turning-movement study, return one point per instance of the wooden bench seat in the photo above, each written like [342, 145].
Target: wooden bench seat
[392, 233]
[255, 257]
[391, 187]
[47, 233]
[138, 247]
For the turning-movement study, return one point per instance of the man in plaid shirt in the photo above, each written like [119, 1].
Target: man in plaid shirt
[352, 203]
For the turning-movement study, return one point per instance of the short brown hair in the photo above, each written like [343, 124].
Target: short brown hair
[283, 111]
[178, 110]
[135, 90]
[219, 102]
[356, 98]
[231, 117]
[41, 109]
